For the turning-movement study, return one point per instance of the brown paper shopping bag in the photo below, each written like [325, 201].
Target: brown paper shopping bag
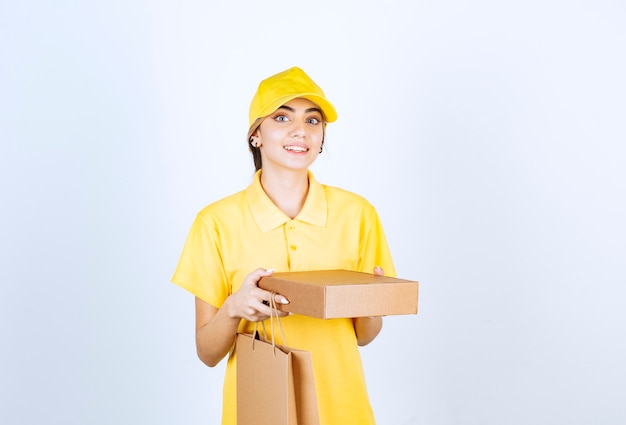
[275, 384]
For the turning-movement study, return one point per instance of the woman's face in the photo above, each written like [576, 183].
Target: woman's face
[291, 137]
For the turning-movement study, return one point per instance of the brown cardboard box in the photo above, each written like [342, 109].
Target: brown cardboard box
[328, 294]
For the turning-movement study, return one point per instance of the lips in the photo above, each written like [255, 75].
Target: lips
[296, 148]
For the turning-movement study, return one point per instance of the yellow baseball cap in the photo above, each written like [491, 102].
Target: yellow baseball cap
[280, 88]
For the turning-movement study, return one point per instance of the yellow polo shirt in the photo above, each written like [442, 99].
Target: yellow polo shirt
[336, 229]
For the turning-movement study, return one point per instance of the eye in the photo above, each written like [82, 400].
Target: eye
[281, 118]
[314, 120]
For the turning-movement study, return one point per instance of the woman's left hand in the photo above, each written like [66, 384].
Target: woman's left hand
[367, 328]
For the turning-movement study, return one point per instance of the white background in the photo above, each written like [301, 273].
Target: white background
[490, 135]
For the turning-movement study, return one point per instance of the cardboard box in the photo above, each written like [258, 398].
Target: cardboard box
[328, 294]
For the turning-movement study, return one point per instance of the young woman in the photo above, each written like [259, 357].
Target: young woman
[285, 221]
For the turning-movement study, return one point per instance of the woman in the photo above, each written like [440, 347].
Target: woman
[285, 221]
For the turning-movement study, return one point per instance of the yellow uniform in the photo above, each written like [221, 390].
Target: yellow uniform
[336, 229]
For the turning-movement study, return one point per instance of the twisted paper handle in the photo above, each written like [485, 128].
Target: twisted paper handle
[273, 314]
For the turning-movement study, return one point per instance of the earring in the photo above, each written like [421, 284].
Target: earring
[254, 143]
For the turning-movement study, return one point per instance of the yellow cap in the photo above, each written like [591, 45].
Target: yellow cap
[280, 88]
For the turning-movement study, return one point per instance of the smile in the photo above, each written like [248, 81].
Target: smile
[292, 148]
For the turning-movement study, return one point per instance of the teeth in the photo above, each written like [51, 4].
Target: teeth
[296, 148]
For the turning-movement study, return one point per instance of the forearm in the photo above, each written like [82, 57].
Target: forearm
[216, 328]
[215, 338]
[367, 328]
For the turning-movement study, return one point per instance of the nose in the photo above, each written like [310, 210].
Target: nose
[298, 129]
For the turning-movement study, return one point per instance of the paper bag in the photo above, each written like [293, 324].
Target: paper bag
[275, 384]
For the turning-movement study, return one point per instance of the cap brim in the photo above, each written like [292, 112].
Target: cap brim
[330, 114]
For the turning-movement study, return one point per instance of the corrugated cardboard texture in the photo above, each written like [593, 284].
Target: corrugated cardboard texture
[328, 294]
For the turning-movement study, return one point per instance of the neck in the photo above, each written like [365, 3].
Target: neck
[288, 190]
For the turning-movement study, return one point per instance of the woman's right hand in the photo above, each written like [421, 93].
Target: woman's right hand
[216, 327]
[251, 302]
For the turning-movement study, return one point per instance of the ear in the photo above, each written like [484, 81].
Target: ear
[254, 140]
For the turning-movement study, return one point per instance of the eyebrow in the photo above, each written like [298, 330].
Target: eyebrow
[289, 108]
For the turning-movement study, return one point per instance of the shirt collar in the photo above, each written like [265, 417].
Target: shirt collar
[268, 216]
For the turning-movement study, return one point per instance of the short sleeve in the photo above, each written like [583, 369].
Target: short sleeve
[200, 269]
[374, 250]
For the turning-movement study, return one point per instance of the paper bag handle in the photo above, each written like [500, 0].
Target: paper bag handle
[273, 314]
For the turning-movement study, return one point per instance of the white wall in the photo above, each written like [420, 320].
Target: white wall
[490, 135]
